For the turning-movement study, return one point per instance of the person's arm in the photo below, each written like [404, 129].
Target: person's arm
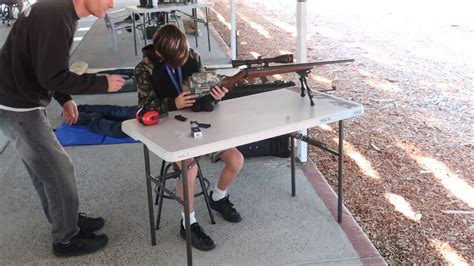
[49, 43]
[147, 97]
[62, 98]
[70, 112]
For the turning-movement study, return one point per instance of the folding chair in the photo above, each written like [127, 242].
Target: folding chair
[116, 21]
[164, 176]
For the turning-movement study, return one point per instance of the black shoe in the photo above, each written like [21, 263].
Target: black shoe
[88, 224]
[224, 207]
[199, 239]
[83, 243]
[86, 118]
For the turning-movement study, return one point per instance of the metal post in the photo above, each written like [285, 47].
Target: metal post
[301, 57]
[149, 194]
[196, 26]
[134, 33]
[340, 172]
[207, 25]
[233, 28]
[144, 28]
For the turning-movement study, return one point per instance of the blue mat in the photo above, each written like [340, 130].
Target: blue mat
[78, 135]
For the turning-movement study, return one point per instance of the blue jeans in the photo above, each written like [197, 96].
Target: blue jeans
[49, 167]
[111, 122]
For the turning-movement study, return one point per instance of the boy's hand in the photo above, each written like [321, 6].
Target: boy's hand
[218, 93]
[185, 99]
[115, 83]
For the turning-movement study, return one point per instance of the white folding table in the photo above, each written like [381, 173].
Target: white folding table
[237, 122]
[171, 7]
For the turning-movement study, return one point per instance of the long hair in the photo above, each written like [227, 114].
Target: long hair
[172, 44]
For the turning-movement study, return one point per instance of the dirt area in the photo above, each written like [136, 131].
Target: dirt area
[409, 159]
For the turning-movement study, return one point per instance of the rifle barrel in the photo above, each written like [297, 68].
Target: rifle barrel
[310, 64]
[288, 68]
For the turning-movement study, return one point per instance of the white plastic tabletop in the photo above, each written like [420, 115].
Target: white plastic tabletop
[240, 121]
[167, 7]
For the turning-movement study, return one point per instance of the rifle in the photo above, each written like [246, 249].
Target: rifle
[201, 82]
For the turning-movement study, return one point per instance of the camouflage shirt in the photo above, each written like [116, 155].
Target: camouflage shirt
[153, 96]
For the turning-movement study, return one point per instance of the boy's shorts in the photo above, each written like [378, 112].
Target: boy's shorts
[215, 156]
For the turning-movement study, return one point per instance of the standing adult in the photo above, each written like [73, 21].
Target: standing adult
[34, 68]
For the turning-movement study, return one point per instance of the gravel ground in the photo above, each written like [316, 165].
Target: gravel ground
[409, 158]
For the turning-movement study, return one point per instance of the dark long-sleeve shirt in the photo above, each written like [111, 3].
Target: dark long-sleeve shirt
[34, 61]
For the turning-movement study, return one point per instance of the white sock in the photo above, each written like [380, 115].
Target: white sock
[192, 219]
[218, 194]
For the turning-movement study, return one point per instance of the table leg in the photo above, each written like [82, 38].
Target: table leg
[150, 195]
[207, 25]
[144, 29]
[203, 185]
[293, 182]
[184, 171]
[160, 203]
[340, 172]
[134, 33]
[340, 157]
[194, 13]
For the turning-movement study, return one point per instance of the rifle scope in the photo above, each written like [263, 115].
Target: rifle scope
[286, 58]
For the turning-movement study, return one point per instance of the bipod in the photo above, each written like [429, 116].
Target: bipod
[304, 85]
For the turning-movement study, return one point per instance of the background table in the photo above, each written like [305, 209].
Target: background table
[170, 7]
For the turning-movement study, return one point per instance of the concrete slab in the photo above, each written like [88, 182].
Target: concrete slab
[276, 227]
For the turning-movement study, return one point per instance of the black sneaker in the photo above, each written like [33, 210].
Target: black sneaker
[199, 239]
[88, 224]
[224, 207]
[81, 244]
[86, 118]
